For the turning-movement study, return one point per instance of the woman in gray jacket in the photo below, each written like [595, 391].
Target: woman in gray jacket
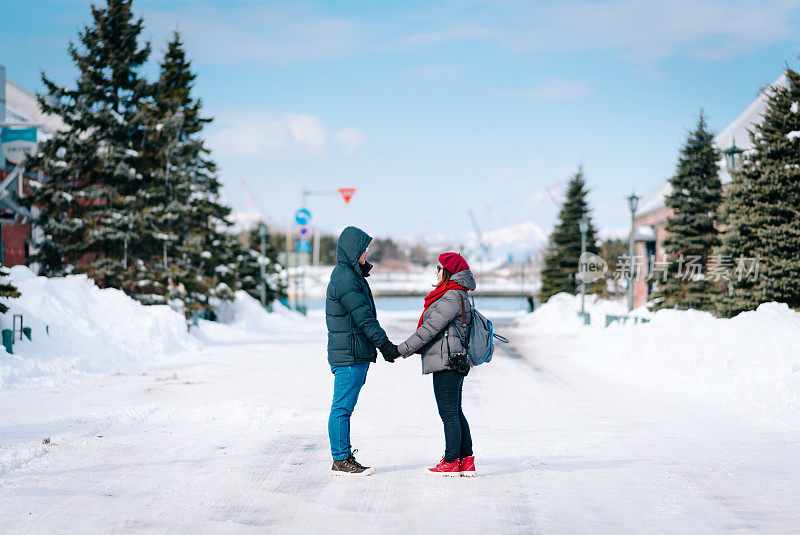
[447, 315]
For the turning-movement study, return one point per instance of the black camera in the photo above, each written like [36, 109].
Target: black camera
[459, 363]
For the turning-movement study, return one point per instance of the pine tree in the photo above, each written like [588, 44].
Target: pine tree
[7, 291]
[695, 196]
[613, 250]
[190, 220]
[89, 205]
[762, 209]
[564, 248]
[249, 267]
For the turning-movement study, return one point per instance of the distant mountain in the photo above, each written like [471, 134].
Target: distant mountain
[516, 241]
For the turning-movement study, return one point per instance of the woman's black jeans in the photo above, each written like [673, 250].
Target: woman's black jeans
[447, 389]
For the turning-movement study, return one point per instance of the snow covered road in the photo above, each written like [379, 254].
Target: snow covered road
[234, 440]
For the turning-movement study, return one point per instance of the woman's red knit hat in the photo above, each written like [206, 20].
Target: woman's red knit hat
[453, 262]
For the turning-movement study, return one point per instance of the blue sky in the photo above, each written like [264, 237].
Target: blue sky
[432, 109]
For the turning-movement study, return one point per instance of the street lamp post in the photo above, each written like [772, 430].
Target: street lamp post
[733, 157]
[583, 225]
[633, 202]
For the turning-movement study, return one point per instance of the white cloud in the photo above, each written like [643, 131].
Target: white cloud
[637, 31]
[557, 89]
[349, 139]
[274, 35]
[307, 130]
[264, 134]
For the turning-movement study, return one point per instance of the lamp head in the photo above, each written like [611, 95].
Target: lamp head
[633, 202]
[733, 157]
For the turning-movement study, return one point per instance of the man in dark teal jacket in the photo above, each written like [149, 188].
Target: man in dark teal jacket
[353, 335]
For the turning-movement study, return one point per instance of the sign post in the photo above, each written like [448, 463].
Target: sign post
[302, 218]
[347, 194]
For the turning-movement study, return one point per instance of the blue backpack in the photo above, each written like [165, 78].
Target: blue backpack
[480, 336]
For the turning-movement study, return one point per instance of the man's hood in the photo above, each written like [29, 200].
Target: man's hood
[352, 243]
[464, 278]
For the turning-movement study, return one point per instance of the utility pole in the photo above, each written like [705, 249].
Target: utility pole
[262, 288]
[305, 194]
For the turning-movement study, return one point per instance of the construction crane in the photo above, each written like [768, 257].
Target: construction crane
[251, 202]
[479, 235]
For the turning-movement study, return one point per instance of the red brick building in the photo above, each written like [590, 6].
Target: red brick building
[652, 214]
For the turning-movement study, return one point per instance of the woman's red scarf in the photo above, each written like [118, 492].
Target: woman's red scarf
[436, 293]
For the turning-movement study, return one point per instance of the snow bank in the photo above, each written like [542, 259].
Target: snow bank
[245, 317]
[559, 315]
[80, 328]
[750, 362]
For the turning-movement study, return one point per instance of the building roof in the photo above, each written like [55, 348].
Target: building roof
[22, 107]
[738, 130]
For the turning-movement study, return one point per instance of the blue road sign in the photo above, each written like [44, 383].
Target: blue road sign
[302, 216]
[303, 246]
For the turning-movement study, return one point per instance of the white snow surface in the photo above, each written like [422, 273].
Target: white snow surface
[91, 330]
[750, 363]
[577, 429]
[245, 318]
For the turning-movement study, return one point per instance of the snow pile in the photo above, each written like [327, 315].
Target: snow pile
[750, 363]
[560, 314]
[246, 313]
[245, 317]
[77, 328]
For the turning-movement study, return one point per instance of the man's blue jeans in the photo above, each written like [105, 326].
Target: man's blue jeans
[347, 383]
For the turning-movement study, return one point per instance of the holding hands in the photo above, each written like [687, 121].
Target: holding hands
[389, 351]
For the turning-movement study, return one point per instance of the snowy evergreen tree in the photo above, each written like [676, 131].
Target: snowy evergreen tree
[89, 205]
[7, 291]
[695, 196]
[249, 267]
[762, 209]
[191, 245]
[564, 248]
[613, 250]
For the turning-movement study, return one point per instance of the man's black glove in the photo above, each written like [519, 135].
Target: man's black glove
[389, 351]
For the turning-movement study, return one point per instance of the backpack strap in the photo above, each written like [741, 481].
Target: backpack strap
[464, 342]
